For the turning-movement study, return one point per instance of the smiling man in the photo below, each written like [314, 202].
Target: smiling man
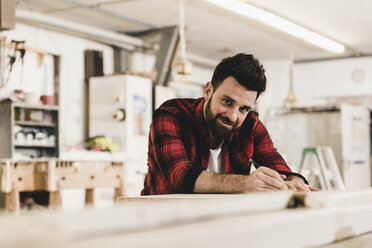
[204, 145]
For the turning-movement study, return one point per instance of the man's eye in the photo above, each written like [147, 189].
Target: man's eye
[245, 109]
[227, 101]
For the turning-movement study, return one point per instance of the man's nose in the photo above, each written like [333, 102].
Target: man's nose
[232, 114]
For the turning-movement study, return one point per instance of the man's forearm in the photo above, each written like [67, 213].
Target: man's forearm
[262, 179]
[209, 182]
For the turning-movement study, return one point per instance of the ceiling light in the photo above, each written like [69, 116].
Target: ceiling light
[184, 66]
[78, 29]
[281, 24]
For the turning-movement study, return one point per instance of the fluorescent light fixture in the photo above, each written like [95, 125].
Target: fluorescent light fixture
[81, 30]
[267, 18]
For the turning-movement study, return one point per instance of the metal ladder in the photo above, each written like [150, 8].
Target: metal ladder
[323, 169]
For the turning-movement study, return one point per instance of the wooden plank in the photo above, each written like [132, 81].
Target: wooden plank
[227, 225]
[119, 191]
[88, 180]
[253, 220]
[360, 241]
[34, 123]
[35, 106]
[12, 203]
[55, 199]
[273, 229]
[203, 221]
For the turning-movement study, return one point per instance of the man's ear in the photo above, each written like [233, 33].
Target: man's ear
[208, 90]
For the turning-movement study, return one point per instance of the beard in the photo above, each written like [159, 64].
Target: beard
[217, 129]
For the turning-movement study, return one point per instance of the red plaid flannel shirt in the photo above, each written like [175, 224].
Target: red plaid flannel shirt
[179, 147]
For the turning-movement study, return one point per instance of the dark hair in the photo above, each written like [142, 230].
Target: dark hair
[245, 68]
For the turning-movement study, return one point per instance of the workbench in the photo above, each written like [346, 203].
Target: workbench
[278, 219]
[54, 175]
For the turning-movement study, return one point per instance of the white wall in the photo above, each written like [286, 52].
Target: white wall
[142, 62]
[71, 50]
[184, 85]
[192, 85]
[314, 80]
[277, 88]
[331, 78]
[199, 75]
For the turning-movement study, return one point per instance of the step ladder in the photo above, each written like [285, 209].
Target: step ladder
[319, 166]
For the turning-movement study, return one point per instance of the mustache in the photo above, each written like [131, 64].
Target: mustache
[226, 120]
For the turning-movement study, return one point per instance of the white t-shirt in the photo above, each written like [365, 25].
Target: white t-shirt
[216, 163]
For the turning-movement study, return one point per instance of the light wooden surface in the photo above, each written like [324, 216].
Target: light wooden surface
[244, 220]
[362, 241]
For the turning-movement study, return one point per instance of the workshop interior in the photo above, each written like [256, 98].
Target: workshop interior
[80, 81]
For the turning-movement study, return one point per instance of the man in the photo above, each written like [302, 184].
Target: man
[204, 145]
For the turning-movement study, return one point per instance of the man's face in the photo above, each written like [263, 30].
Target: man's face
[227, 107]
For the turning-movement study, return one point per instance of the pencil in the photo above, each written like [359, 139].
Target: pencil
[254, 163]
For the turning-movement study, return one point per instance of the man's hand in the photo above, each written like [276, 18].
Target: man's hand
[265, 179]
[262, 179]
[298, 184]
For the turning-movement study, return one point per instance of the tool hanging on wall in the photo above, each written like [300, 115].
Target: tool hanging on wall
[184, 66]
[292, 98]
[2, 58]
[22, 51]
[18, 46]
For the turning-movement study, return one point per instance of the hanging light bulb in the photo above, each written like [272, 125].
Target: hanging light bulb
[184, 66]
[291, 97]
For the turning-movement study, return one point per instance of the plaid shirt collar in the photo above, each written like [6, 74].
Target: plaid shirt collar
[199, 116]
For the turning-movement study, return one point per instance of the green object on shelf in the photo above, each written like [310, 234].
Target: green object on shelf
[103, 143]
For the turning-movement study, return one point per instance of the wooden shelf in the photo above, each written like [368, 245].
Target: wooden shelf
[35, 106]
[35, 124]
[34, 146]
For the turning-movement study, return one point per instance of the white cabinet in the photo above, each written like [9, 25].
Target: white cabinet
[120, 107]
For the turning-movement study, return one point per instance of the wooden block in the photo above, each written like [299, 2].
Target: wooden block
[12, 203]
[55, 199]
[119, 191]
[6, 176]
[89, 196]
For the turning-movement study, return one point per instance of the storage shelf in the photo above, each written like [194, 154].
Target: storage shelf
[15, 116]
[34, 146]
[35, 124]
[35, 106]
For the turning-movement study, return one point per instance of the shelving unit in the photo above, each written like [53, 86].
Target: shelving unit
[28, 130]
[33, 123]
[35, 146]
